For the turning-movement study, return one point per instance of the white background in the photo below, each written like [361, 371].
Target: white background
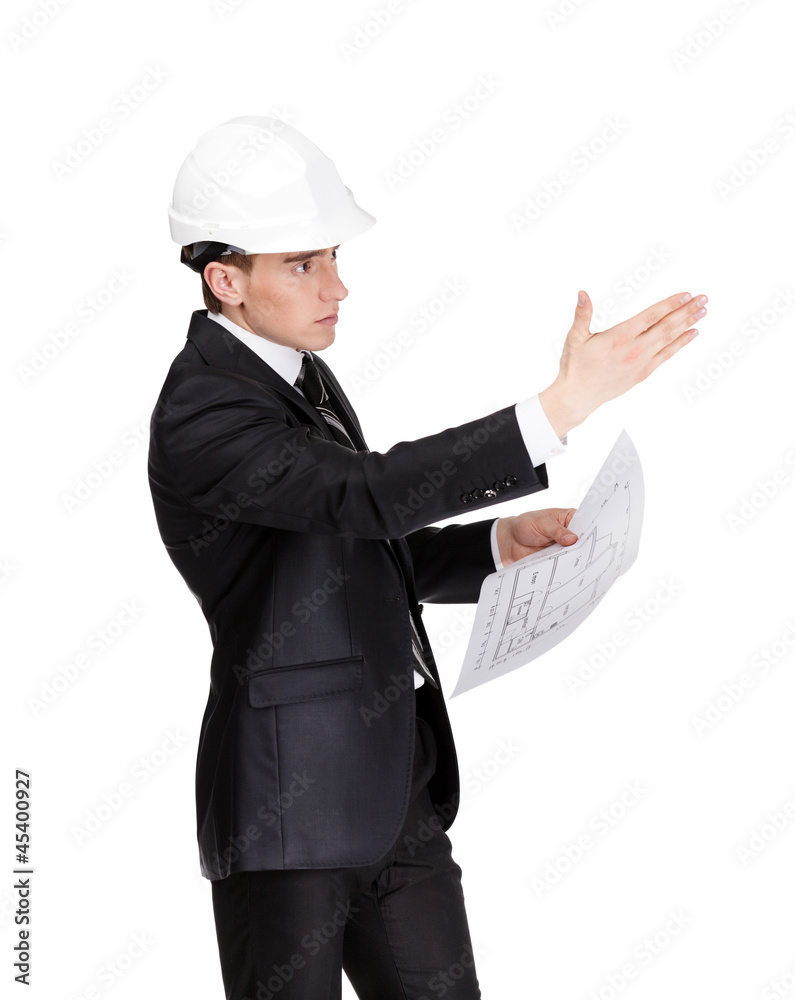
[711, 426]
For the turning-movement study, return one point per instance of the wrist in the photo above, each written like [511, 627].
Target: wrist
[503, 539]
[556, 403]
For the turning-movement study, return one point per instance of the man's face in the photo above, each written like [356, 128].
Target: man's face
[285, 296]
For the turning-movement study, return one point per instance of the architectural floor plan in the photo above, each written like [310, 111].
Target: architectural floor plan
[534, 603]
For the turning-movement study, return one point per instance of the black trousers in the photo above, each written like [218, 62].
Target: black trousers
[398, 927]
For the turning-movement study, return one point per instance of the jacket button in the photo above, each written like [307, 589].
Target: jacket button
[477, 494]
[489, 493]
[511, 480]
[466, 498]
[498, 485]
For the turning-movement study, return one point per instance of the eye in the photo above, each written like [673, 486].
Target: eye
[308, 263]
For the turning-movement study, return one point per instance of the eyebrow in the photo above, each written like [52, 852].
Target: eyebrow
[294, 258]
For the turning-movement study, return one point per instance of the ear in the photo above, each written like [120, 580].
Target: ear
[226, 282]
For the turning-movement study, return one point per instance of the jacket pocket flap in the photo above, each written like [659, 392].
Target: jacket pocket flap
[304, 682]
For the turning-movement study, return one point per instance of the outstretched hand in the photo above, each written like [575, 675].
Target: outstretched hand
[597, 367]
[524, 534]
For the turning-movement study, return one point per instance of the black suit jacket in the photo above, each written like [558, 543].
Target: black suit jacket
[306, 557]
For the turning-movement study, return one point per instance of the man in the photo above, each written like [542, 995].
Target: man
[326, 773]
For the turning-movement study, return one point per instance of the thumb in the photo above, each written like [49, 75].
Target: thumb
[582, 315]
[558, 529]
[565, 537]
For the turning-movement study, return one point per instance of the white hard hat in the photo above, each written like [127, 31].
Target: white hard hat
[259, 185]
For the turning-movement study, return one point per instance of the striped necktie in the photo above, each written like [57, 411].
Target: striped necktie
[311, 385]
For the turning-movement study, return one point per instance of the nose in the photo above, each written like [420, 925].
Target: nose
[331, 287]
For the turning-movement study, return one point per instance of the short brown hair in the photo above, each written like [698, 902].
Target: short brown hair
[244, 261]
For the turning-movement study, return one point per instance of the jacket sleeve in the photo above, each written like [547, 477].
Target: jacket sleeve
[219, 443]
[450, 563]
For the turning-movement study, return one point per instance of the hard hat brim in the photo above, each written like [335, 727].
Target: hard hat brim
[284, 236]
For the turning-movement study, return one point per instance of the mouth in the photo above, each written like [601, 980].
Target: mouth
[331, 318]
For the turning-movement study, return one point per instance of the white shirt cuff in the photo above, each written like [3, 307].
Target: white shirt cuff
[542, 443]
[540, 439]
[495, 549]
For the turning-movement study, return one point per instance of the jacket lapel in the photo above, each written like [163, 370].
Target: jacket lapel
[221, 349]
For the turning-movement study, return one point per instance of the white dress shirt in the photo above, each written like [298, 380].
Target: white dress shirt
[539, 438]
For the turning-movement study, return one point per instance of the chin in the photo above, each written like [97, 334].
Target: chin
[325, 338]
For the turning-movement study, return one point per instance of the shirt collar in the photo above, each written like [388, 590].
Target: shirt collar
[285, 361]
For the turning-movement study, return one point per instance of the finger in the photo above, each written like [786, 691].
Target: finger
[650, 317]
[665, 333]
[583, 311]
[550, 515]
[670, 349]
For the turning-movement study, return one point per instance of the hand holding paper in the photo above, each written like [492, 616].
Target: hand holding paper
[538, 600]
[528, 533]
